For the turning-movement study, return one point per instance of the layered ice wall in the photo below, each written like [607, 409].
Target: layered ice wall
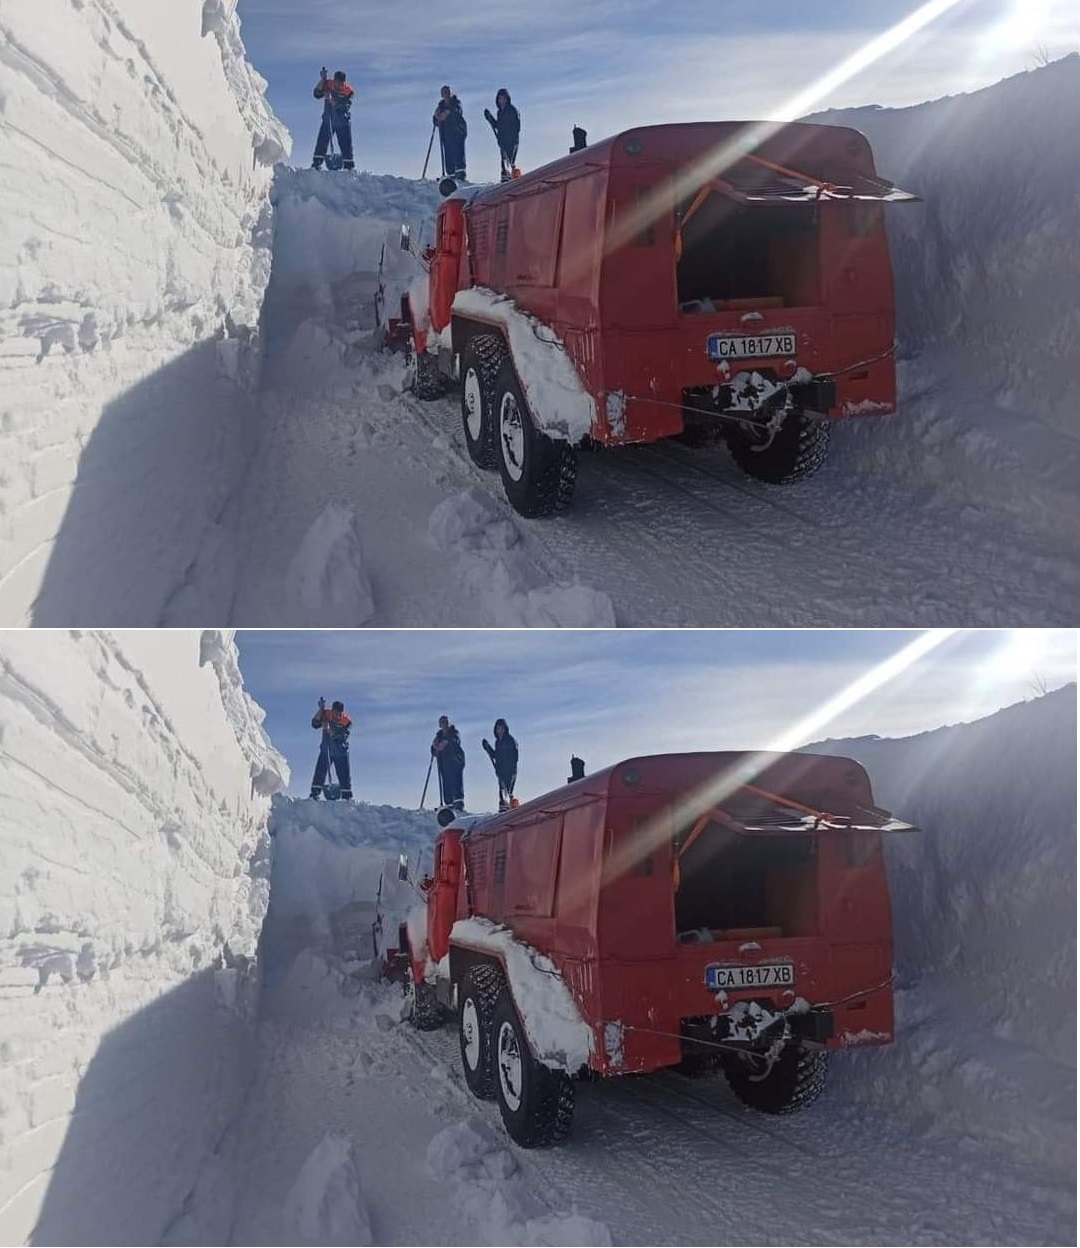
[136, 150]
[135, 784]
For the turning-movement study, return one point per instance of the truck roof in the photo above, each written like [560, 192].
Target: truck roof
[837, 783]
[824, 151]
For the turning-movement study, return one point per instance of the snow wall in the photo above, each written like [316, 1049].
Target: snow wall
[990, 261]
[984, 913]
[135, 159]
[331, 233]
[135, 783]
[328, 861]
[988, 321]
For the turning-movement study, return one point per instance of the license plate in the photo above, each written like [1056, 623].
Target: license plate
[721, 347]
[766, 975]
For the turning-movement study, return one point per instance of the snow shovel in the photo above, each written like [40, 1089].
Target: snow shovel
[427, 781]
[332, 788]
[431, 144]
[334, 160]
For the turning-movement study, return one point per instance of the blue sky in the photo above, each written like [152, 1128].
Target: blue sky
[607, 695]
[609, 64]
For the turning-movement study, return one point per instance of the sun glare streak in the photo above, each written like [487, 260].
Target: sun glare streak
[654, 832]
[658, 202]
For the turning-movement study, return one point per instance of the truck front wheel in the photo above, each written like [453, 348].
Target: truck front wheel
[429, 382]
[538, 472]
[536, 1103]
[480, 363]
[797, 450]
[792, 1082]
[479, 994]
[425, 1012]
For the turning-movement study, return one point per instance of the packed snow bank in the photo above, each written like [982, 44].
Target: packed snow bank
[485, 1183]
[990, 263]
[984, 913]
[134, 873]
[135, 157]
[331, 232]
[326, 581]
[325, 1205]
[557, 398]
[330, 860]
[486, 543]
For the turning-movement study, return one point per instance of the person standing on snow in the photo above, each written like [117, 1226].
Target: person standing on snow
[337, 97]
[504, 754]
[450, 757]
[507, 127]
[452, 131]
[334, 748]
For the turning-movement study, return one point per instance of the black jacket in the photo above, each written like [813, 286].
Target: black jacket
[451, 755]
[449, 117]
[504, 755]
[507, 126]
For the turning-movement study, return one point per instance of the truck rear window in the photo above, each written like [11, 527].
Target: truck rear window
[729, 881]
[734, 254]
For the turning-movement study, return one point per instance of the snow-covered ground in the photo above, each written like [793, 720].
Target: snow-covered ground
[135, 783]
[144, 481]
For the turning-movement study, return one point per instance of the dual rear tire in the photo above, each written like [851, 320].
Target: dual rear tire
[538, 472]
[536, 1103]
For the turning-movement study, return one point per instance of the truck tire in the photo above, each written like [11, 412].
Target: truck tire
[538, 472]
[429, 383]
[425, 1012]
[536, 1103]
[480, 364]
[797, 451]
[479, 997]
[795, 1081]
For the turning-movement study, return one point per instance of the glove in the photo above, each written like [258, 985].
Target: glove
[487, 746]
[487, 114]
[322, 704]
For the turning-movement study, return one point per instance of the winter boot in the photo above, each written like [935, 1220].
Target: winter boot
[346, 795]
[316, 792]
[317, 162]
[459, 803]
[348, 164]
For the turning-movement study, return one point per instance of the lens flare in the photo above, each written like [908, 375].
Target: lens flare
[654, 832]
[657, 202]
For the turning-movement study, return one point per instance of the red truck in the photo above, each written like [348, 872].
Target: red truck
[714, 910]
[711, 279]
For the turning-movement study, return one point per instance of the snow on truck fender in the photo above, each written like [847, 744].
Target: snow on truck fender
[559, 1036]
[558, 401]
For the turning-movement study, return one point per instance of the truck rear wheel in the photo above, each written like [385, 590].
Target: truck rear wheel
[798, 450]
[538, 472]
[536, 1103]
[480, 362]
[480, 993]
[794, 1080]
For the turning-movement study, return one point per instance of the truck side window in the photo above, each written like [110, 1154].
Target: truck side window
[502, 231]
